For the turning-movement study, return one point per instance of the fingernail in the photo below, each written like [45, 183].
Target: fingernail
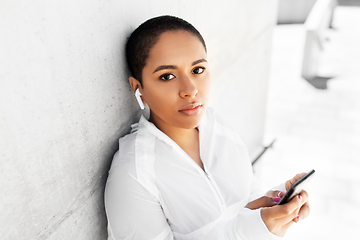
[276, 199]
[278, 194]
[299, 197]
[298, 218]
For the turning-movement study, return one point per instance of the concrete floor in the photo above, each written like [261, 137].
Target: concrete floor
[317, 128]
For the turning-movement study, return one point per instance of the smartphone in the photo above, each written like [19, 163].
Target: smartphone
[297, 187]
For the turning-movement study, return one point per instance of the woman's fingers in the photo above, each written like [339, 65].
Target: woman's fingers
[288, 208]
[261, 202]
[303, 213]
[288, 218]
[275, 194]
[293, 180]
[279, 218]
[283, 211]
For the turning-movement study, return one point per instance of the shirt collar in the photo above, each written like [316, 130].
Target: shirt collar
[149, 126]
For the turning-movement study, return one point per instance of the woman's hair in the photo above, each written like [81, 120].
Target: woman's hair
[147, 34]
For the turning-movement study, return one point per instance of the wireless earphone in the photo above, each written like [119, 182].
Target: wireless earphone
[138, 98]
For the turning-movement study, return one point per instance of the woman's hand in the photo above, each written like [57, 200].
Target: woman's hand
[278, 218]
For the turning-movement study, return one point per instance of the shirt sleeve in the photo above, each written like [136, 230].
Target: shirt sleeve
[132, 212]
[249, 225]
[250, 221]
[256, 190]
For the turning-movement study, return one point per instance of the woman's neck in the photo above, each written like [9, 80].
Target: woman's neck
[177, 134]
[187, 139]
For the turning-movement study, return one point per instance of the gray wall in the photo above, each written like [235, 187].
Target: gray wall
[65, 99]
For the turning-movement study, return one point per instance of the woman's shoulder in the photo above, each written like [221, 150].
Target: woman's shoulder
[133, 163]
[132, 148]
[126, 152]
[123, 159]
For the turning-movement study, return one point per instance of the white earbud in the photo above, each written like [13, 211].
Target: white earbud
[138, 98]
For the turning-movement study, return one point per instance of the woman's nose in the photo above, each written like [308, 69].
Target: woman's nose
[188, 88]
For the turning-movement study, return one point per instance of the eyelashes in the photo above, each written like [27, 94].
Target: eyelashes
[198, 70]
[169, 76]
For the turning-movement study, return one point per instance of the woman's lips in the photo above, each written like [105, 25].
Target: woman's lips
[191, 110]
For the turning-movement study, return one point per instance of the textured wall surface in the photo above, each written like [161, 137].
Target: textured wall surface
[65, 99]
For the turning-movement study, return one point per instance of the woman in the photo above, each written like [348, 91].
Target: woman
[181, 174]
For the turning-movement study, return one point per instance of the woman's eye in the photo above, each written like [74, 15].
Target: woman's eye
[198, 70]
[167, 77]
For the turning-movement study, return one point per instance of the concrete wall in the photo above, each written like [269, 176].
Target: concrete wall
[65, 99]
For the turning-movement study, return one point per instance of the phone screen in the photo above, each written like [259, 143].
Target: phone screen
[296, 188]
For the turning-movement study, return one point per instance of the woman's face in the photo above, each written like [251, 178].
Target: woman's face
[176, 81]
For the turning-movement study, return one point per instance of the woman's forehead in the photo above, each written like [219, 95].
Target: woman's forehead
[176, 46]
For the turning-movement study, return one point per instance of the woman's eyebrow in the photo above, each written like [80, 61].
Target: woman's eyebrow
[162, 67]
[199, 61]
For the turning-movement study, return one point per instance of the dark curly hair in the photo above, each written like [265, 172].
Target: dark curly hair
[147, 34]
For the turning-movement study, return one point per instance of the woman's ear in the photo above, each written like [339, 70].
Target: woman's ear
[135, 84]
[136, 87]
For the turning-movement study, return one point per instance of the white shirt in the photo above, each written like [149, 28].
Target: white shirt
[156, 191]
